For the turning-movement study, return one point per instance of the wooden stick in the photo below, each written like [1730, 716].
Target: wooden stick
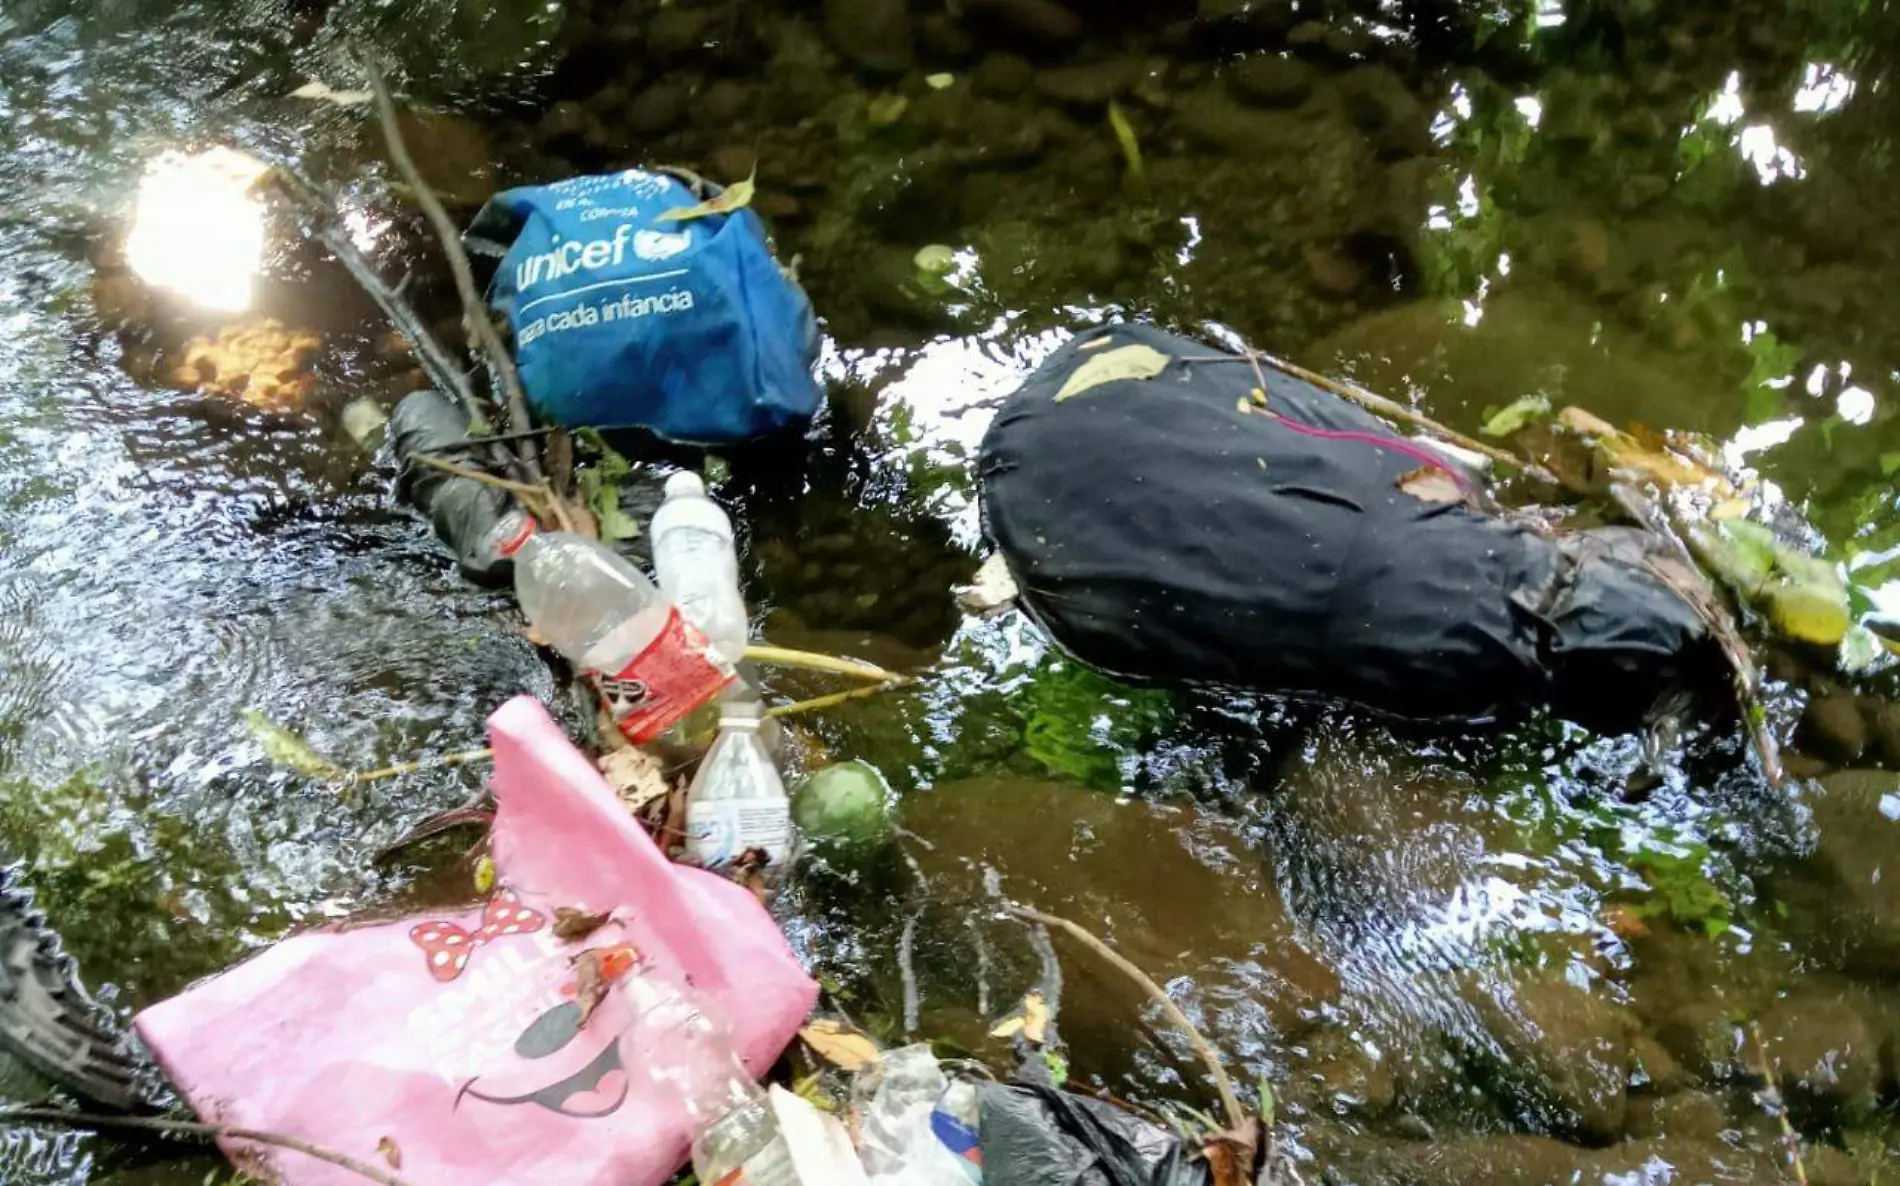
[192, 1128]
[445, 230]
[1771, 1095]
[523, 490]
[811, 661]
[1230, 1101]
[835, 698]
[401, 768]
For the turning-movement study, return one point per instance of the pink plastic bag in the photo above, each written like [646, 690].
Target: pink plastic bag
[415, 1031]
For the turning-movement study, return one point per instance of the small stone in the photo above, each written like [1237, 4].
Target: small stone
[1653, 1068]
[1089, 86]
[565, 121]
[1832, 728]
[1691, 1115]
[677, 30]
[943, 39]
[1002, 76]
[1884, 720]
[876, 34]
[1824, 1047]
[1307, 35]
[1044, 20]
[1271, 80]
[1332, 271]
[657, 109]
[1566, 1054]
[723, 104]
[732, 162]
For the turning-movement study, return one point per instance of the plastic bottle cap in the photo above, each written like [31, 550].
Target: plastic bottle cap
[685, 484]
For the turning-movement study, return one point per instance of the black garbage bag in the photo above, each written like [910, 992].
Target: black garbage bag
[1167, 528]
[1039, 1136]
[463, 511]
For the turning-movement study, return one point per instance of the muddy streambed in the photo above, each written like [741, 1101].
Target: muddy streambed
[1496, 956]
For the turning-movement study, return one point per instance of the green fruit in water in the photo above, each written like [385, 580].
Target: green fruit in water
[847, 804]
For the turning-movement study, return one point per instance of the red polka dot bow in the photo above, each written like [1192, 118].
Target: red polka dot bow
[447, 946]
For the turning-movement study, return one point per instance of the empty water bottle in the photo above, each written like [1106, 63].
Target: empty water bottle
[698, 563]
[652, 665]
[737, 802]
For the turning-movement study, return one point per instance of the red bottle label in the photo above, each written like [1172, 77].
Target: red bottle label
[676, 673]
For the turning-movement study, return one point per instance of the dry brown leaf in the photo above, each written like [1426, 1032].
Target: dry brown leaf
[840, 1045]
[391, 1151]
[573, 925]
[1231, 1155]
[1428, 483]
[1624, 922]
[611, 738]
[636, 776]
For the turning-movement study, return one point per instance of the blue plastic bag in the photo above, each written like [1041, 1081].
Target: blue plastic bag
[685, 327]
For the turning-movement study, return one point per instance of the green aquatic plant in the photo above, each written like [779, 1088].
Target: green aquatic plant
[1078, 724]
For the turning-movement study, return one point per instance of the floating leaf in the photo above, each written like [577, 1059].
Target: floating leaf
[938, 82]
[391, 1151]
[1124, 362]
[886, 110]
[1520, 413]
[840, 1045]
[1429, 483]
[636, 776]
[935, 259]
[485, 875]
[1244, 406]
[736, 196]
[1029, 1019]
[1266, 1102]
[1058, 1067]
[1807, 613]
[288, 750]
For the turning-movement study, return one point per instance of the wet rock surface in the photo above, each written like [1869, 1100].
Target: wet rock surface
[1562, 1053]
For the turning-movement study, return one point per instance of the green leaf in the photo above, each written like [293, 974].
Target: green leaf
[1125, 138]
[284, 748]
[1520, 413]
[616, 525]
[1889, 464]
[937, 82]
[1266, 1103]
[734, 197]
[484, 875]
[936, 259]
[1058, 1067]
[1110, 366]
[886, 110]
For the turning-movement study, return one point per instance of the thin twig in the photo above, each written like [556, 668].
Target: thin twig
[473, 307]
[522, 490]
[1771, 1096]
[1377, 404]
[836, 698]
[1237, 1117]
[906, 966]
[474, 755]
[811, 661]
[193, 1128]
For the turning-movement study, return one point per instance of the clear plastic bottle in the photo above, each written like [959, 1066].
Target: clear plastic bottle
[737, 801]
[698, 563]
[652, 665]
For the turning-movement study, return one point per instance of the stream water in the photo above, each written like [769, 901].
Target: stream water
[1497, 956]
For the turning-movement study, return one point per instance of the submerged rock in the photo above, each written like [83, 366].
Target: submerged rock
[876, 34]
[1044, 20]
[1563, 1055]
[1850, 886]
[1828, 1052]
[1002, 76]
[1833, 728]
[1089, 86]
[1271, 80]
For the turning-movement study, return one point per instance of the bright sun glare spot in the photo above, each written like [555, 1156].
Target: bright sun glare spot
[1855, 405]
[196, 227]
[1823, 89]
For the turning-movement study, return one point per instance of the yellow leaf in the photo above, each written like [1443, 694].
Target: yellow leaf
[1125, 362]
[1428, 483]
[484, 875]
[288, 750]
[736, 196]
[1009, 1027]
[391, 1151]
[840, 1045]
[1244, 406]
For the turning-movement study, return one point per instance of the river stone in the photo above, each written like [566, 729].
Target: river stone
[1848, 880]
[1883, 719]
[1381, 105]
[876, 34]
[1824, 1047]
[1832, 727]
[1210, 118]
[676, 31]
[1002, 76]
[1669, 1160]
[1654, 1069]
[658, 108]
[1089, 86]
[1336, 1075]
[1271, 80]
[1688, 1115]
[1043, 20]
[1703, 1038]
[1566, 1055]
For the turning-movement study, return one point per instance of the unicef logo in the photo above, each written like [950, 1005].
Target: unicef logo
[650, 244]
